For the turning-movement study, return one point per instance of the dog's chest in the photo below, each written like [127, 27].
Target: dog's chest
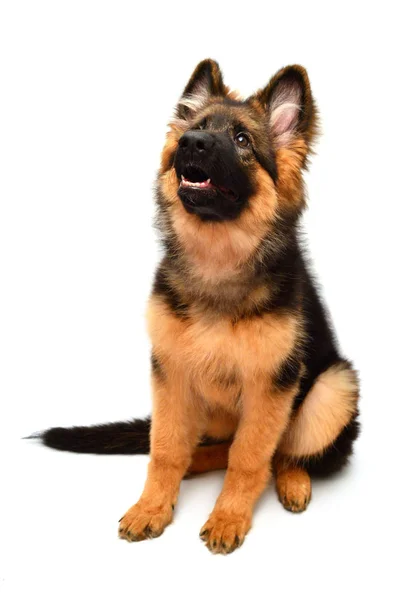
[218, 350]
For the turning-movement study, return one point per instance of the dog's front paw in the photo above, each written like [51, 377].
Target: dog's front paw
[224, 532]
[143, 521]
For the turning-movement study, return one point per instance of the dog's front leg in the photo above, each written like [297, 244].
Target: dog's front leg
[265, 413]
[176, 421]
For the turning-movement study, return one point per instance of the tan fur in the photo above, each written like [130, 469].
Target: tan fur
[209, 458]
[293, 485]
[174, 435]
[221, 424]
[171, 144]
[290, 183]
[241, 299]
[206, 346]
[264, 417]
[218, 357]
[327, 409]
[217, 251]
[196, 353]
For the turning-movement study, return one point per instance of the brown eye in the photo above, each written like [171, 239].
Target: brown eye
[242, 140]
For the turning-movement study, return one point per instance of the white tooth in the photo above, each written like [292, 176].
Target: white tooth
[182, 178]
[208, 180]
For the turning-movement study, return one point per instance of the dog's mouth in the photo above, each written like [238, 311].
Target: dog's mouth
[195, 178]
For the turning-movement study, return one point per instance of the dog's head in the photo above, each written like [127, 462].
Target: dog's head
[233, 161]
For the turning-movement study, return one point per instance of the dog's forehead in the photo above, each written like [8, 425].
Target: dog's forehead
[223, 115]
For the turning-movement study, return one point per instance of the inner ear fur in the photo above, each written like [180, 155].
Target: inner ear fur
[206, 82]
[207, 75]
[290, 106]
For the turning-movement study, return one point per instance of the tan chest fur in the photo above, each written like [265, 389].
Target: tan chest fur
[215, 355]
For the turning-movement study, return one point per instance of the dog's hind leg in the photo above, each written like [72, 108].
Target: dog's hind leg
[293, 485]
[212, 453]
[209, 458]
[322, 431]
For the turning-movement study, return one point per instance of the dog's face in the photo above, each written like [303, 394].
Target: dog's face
[212, 165]
[235, 162]
[216, 158]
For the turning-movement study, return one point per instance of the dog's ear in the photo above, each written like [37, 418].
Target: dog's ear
[289, 104]
[206, 82]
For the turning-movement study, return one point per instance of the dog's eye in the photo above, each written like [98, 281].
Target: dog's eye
[242, 140]
[202, 124]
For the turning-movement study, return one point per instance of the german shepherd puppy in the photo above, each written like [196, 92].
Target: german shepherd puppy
[246, 373]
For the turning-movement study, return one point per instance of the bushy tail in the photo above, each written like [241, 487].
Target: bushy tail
[124, 437]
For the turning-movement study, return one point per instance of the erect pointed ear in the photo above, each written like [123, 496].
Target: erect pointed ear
[206, 82]
[290, 106]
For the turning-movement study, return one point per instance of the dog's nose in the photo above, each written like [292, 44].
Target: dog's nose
[196, 143]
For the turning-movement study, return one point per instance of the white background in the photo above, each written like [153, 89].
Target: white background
[86, 90]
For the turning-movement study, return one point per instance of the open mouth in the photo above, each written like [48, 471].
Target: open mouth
[196, 178]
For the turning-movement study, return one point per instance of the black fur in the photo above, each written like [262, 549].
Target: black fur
[288, 373]
[204, 76]
[163, 288]
[337, 455]
[130, 437]
[212, 154]
[133, 437]
[297, 290]
[156, 367]
[279, 263]
[320, 348]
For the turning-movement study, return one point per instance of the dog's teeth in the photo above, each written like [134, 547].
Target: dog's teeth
[198, 184]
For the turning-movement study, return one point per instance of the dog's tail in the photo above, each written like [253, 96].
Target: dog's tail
[124, 437]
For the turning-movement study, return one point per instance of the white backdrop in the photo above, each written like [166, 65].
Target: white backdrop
[86, 89]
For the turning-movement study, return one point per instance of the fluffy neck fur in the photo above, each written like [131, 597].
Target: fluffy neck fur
[265, 281]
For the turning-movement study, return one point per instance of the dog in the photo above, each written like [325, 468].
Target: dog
[246, 372]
